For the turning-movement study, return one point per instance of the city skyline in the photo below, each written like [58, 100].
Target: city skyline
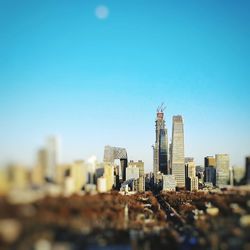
[95, 76]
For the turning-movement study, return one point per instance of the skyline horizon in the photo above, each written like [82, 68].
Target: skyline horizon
[32, 163]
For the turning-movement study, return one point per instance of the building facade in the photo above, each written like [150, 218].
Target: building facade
[169, 183]
[209, 161]
[114, 153]
[52, 156]
[222, 169]
[141, 181]
[177, 151]
[109, 175]
[132, 173]
[210, 175]
[210, 170]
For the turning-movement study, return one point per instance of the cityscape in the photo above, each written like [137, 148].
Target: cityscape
[124, 125]
[119, 196]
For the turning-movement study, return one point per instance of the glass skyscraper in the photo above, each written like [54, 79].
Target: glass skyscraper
[177, 151]
[161, 145]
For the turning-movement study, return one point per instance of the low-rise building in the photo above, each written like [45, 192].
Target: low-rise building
[169, 183]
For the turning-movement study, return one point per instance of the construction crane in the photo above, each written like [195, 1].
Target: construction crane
[161, 108]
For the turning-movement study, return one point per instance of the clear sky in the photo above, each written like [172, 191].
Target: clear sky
[95, 76]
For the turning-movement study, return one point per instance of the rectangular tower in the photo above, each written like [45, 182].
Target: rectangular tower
[52, 156]
[222, 169]
[177, 151]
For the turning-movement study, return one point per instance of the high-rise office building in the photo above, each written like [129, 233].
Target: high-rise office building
[177, 151]
[222, 169]
[161, 144]
[210, 170]
[210, 175]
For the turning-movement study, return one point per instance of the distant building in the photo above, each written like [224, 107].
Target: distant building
[75, 176]
[208, 185]
[190, 169]
[169, 183]
[129, 185]
[177, 151]
[99, 171]
[209, 161]
[239, 173]
[210, 175]
[52, 155]
[4, 182]
[113, 153]
[109, 175]
[200, 174]
[18, 177]
[189, 159]
[192, 182]
[141, 182]
[210, 170]
[101, 185]
[37, 175]
[78, 172]
[247, 172]
[42, 161]
[231, 176]
[132, 173]
[69, 187]
[62, 170]
[160, 154]
[222, 169]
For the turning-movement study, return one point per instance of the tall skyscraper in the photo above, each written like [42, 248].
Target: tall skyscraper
[177, 151]
[222, 169]
[161, 144]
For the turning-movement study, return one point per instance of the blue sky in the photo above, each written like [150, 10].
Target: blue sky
[99, 81]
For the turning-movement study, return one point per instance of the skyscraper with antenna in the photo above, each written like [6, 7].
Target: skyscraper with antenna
[161, 143]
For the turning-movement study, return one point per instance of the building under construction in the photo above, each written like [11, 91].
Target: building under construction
[161, 144]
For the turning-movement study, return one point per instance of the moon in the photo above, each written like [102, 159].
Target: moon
[102, 12]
